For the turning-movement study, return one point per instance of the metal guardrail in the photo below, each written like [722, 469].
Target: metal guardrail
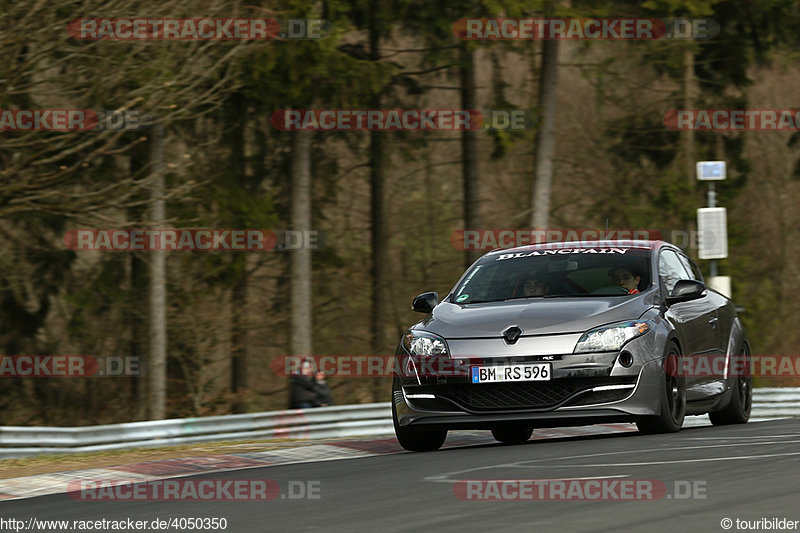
[778, 402]
[317, 423]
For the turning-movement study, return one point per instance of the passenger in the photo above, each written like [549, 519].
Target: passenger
[623, 277]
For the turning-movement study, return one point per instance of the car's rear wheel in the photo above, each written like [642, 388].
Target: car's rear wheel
[512, 433]
[418, 440]
[673, 397]
[737, 411]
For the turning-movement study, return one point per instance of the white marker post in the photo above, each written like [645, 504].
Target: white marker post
[712, 225]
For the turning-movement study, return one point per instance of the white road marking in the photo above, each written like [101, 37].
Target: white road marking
[447, 477]
[438, 479]
[673, 448]
[747, 437]
[707, 459]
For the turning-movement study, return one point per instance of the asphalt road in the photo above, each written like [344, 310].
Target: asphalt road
[747, 472]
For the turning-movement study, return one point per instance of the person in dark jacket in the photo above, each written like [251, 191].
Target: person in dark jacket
[307, 389]
[324, 398]
[303, 388]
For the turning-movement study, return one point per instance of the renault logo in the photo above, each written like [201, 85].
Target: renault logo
[511, 334]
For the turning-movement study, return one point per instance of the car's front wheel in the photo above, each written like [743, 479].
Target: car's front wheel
[512, 433]
[418, 440]
[673, 397]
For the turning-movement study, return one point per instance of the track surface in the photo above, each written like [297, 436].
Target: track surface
[747, 472]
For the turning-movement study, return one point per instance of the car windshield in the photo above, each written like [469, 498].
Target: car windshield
[556, 273]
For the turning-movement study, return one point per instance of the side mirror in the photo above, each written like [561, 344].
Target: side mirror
[425, 302]
[685, 290]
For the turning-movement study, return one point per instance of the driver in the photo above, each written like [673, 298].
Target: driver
[534, 287]
[623, 277]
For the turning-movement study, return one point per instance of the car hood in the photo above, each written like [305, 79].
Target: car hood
[539, 316]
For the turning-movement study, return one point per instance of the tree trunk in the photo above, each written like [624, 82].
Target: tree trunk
[300, 325]
[239, 367]
[138, 334]
[469, 151]
[137, 301]
[239, 353]
[545, 137]
[157, 364]
[688, 103]
[378, 226]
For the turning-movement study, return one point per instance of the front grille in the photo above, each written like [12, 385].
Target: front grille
[523, 395]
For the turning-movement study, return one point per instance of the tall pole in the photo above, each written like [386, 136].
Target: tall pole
[712, 202]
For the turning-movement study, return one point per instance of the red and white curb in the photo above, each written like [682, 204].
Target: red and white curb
[57, 483]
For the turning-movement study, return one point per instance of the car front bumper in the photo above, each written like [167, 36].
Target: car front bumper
[584, 389]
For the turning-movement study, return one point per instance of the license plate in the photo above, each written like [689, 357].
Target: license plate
[510, 373]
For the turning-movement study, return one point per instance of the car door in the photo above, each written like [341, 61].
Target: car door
[695, 320]
[722, 321]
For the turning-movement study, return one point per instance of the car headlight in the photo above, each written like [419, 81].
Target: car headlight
[424, 343]
[610, 338]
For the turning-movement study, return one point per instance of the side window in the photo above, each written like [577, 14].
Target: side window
[671, 270]
[691, 268]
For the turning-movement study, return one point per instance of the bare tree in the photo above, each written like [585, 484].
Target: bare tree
[377, 216]
[47, 68]
[157, 361]
[300, 324]
[687, 136]
[469, 150]
[239, 352]
[545, 137]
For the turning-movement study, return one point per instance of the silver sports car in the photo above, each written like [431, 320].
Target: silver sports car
[570, 333]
